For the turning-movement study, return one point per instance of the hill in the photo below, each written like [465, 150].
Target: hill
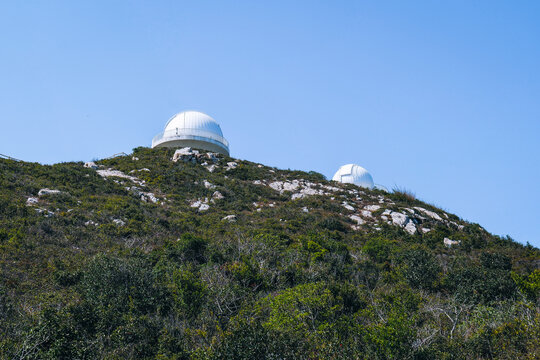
[158, 255]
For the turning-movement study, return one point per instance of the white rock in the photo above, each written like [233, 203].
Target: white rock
[185, 154]
[211, 168]
[90, 222]
[185, 151]
[90, 165]
[399, 218]
[196, 204]
[305, 209]
[231, 165]
[217, 195]
[347, 206]
[372, 207]
[357, 219]
[209, 185]
[204, 207]
[119, 222]
[311, 191]
[431, 214]
[230, 218]
[212, 156]
[410, 228]
[31, 201]
[425, 230]
[48, 192]
[366, 213]
[331, 188]
[448, 242]
[291, 186]
[116, 173]
[277, 185]
[134, 158]
[151, 197]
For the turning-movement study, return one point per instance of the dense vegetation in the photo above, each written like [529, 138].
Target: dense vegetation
[98, 271]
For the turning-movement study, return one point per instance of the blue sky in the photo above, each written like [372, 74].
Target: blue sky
[442, 98]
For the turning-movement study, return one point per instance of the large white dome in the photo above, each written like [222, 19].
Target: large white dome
[193, 120]
[193, 129]
[354, 174]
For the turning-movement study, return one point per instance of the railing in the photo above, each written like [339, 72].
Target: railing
[116, 155]
[8, 157]
[189, 134]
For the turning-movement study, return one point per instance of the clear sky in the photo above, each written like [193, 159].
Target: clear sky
[439, 97]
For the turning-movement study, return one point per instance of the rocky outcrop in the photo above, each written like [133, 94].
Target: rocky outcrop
[187, 154]
[116, 173]
[90, 165]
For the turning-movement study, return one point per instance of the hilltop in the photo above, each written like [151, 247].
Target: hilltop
[164, 255]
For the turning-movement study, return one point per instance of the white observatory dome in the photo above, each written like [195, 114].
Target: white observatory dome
[194, 129]
[354, 174]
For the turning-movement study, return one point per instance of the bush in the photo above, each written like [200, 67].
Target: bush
[421, 269]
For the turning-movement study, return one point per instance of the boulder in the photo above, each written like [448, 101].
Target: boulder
[32, 201]
[119, 222]
[372, 207]
[48, 192]
[90, 165]
[209, 185]
[429, 213]
[449, 242]
[357, 219]
[230, 218]
[347, 206]
[410, 228]
[185, 154]
[217, 195]
[204, 207]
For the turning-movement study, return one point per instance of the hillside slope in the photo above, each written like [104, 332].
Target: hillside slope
[207, 257]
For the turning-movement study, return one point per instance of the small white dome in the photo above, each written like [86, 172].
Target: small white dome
[192, 129]
[354, 174]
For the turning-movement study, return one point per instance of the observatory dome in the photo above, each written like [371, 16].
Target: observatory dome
[193, 129]
[354, 174]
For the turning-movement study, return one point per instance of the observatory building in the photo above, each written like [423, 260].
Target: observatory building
[192, 129]
[354, 174]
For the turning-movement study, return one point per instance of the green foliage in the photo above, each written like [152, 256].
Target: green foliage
[529, 285]
[378, 249]
[285, 279]
[421, 269]
[474, 284]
